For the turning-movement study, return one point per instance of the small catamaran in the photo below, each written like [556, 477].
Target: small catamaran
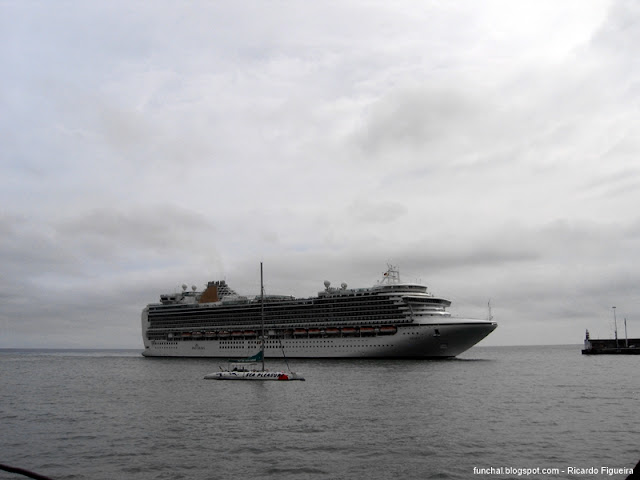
[247, 368]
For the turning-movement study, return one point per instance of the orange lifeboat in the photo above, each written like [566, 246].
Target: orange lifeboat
[224, 334]
[367, 331]
[348, 331]
[388, 330]
[299, 332]
[249, 333]
[331, 331]
[314, 331]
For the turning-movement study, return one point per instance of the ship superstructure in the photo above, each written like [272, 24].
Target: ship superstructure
[391, 319]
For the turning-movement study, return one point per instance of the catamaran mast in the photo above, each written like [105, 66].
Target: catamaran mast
[262, 316]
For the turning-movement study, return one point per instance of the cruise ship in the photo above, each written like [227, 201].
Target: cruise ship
[391, 319]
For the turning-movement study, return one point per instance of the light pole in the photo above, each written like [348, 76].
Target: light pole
[615, 324]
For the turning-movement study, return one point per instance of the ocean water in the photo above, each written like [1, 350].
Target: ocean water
[117, 415]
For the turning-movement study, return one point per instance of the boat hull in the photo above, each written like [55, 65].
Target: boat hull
[437, 340]
[255, 376]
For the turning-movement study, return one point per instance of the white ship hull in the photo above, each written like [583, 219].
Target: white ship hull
[415, 341]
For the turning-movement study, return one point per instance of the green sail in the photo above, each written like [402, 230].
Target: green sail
[255, 358]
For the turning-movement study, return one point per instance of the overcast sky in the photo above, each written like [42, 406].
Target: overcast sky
[489, 149]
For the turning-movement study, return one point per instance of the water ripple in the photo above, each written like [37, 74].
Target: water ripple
[102, 416]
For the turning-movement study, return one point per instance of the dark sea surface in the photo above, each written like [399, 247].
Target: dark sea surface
[105, 414]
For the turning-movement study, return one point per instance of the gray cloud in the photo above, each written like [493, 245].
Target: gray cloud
[485, 151]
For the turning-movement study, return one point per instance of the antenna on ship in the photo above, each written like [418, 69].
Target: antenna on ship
[262, 316]
[392, 275]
